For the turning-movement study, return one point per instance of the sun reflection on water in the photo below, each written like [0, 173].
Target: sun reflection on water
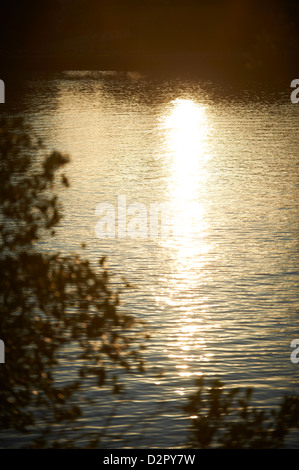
[187, 129]
[188, 125]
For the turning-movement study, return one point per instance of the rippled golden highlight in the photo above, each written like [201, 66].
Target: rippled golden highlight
[187, 127]
[187, 130]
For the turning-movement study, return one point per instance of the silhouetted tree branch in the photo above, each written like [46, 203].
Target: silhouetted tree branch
[223, 418]
[52, 305]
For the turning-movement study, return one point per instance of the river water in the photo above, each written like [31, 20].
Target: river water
[219, 293]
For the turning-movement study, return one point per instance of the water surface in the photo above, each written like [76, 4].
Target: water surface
[220, 295]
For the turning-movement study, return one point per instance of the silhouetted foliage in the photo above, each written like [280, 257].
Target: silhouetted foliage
[51, 304]
[226, 419]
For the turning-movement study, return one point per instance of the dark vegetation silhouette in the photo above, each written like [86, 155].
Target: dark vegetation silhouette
[58, 310]
[51, 304]
[226, 418]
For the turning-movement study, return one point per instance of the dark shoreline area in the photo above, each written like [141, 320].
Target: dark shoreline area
[234, 68]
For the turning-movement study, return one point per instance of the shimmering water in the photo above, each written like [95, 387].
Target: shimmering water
[220, 296]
